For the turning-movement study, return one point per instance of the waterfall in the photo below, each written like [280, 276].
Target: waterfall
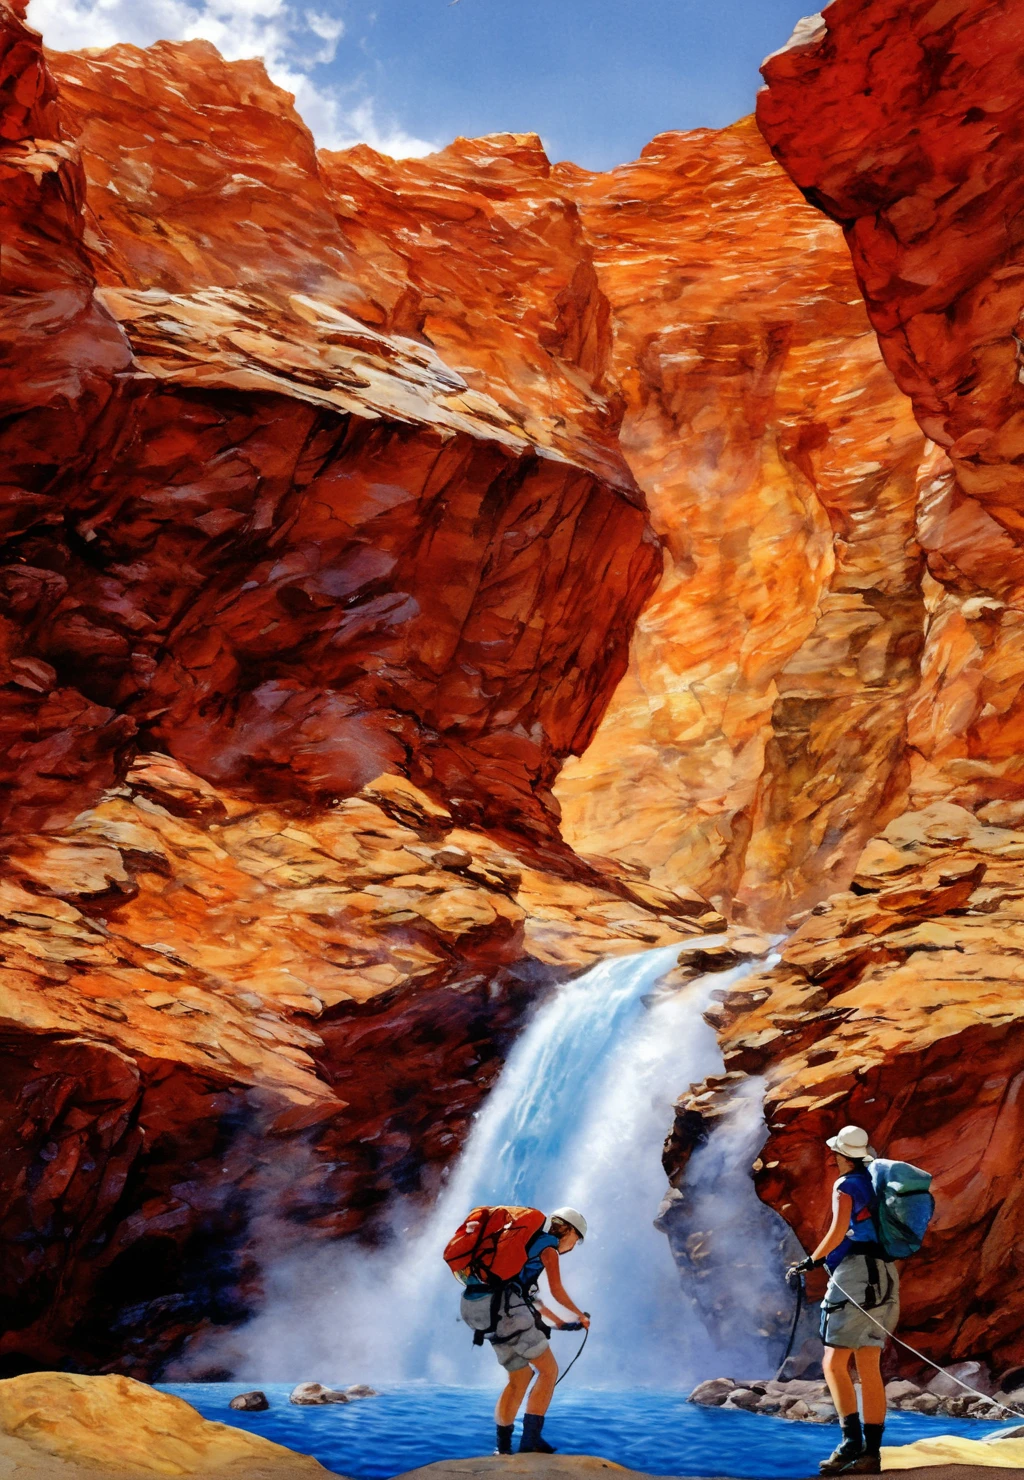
[578, 1116]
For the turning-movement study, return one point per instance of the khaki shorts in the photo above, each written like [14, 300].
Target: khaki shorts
[517, 1341]
[875, 1284]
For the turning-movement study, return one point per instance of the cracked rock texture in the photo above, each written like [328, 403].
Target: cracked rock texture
[896, 1004]
[295, 628]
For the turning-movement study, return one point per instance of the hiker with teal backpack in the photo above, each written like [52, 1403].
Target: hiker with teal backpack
[880, 1210]
[499, 1255]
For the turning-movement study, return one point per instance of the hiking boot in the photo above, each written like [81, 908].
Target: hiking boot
[850, 1447]
[867, 1464]
[532, 1441]
[504, 1433]
[844, 1454]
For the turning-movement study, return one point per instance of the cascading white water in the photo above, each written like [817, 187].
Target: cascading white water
[578, 1116]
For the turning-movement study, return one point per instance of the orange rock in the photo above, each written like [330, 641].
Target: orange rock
[895, 1007]
[303, 552]
[191, 981]
[758, 738]
[922, 166]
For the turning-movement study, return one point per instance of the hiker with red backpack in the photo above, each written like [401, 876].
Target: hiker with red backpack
[499, 1254]
[880, 1210]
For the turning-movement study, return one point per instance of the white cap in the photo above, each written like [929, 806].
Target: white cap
[573, 1218]
[852, 1142]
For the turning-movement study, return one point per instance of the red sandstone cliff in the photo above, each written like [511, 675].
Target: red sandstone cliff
[895, 1004]
[262, 566]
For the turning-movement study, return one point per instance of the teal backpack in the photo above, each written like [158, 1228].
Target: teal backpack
[904, 1206]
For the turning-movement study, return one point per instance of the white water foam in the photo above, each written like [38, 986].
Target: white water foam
[578, 1116]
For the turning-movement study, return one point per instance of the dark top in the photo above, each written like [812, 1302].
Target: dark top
[862, 1235]
[531, 1270]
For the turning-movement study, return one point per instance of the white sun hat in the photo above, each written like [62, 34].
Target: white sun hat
[574, 1220]
[853, 1142]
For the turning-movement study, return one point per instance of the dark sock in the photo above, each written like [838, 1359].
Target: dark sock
[873, 1437]
[532, 1441]
[852, 1433]
[504, 1432]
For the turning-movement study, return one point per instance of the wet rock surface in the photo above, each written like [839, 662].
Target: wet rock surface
[198, 991]
[892, 1007]
[809, 1401]
[254, 1402]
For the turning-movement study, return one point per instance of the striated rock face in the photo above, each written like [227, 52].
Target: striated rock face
[214, 1012]
[903, 122]
[759, 737]
[295, 627]
[754, 402]
[295, 553]
[336, 489]
[895, 1006]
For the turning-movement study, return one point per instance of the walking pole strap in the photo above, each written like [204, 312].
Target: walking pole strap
[913, 1350]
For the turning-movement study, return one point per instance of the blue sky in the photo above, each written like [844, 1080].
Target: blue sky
[595, 78]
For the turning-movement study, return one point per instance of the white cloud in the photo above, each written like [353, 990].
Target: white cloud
[293, 41]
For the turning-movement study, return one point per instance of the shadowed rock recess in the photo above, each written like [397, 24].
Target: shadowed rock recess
[422, 578]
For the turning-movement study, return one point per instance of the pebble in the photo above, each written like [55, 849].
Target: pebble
[809, 1402]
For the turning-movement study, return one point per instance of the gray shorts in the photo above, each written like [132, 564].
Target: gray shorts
[517, 1341]
[875, 1284]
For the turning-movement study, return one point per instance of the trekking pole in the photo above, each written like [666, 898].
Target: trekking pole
[795, 1282]
[575, 1326]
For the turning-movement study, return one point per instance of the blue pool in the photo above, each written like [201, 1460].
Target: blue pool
[658, 1432]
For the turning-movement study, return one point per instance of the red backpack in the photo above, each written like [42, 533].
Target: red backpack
[490, 1245]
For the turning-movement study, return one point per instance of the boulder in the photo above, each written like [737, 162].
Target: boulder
[798, 1409]
[742, 1398]
[805, 1362]
[770, 1403]
[896, 1392]
[713, 1392]
[313, 1394]
[923, 1403]
[360, 1390]
[252, 1402]
[114, 1426]
[972, 1373]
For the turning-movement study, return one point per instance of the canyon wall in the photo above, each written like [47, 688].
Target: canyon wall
[897, 1003]
[296, 627]
[759, 737]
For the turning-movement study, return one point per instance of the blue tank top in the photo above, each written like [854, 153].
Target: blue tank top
[861, 1236]
[531, 1270]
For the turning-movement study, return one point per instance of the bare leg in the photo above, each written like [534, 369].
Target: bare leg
[836, 1363]
[512, 1395]
[872, 1388]
[542, 1390]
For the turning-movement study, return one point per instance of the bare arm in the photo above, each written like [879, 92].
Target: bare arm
[549, 1259]
[842, 1210]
